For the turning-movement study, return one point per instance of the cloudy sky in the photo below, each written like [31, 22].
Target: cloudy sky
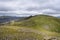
[29, 7]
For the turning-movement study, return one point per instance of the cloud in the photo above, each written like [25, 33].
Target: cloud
[6, 0]
[30, 7]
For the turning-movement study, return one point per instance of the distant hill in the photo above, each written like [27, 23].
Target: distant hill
[9, 18]
[58, 16]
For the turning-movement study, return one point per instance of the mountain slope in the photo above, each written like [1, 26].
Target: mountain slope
[43, 21]
[39, 27]
[17, 33]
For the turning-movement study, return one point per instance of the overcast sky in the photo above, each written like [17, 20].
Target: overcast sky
[29, 7]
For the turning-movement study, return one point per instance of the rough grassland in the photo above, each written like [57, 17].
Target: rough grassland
[40, 27]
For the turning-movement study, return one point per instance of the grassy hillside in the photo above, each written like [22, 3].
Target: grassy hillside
[39, 27]
[41, 21]
[10, 33]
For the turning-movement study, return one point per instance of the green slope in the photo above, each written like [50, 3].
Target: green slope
[11, 33]
[41, 21]
[39, 27]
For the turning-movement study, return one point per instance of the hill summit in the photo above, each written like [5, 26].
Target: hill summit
[41, 21]
[39, 27]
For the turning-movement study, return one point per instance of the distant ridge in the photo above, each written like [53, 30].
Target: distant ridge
[9, 18]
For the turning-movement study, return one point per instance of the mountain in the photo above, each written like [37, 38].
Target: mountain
[43, 21]
[38, 27]
[9, 18]
[58, 16]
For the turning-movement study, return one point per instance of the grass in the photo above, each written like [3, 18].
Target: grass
[14, 33]
[46, 22]
[38, 27]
